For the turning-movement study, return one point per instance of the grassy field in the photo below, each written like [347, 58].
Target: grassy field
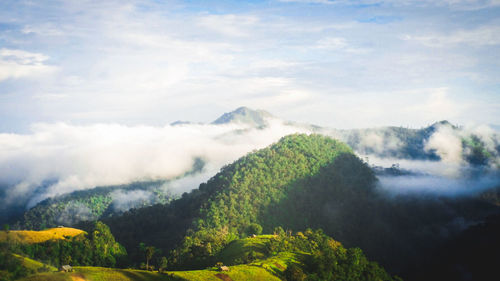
[33, 264]
[241, 248]
[239, 272]
[262, 269]
[32, 237]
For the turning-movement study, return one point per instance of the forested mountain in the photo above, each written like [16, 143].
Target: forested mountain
[94, 204]
[392, 142]
[476, 147]
[300, 182]
[385, 142]
[238, 197]
[99, 202]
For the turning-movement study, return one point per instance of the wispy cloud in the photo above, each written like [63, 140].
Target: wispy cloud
[19, 63]
[482, 36]
[231, 25]
[456, 4]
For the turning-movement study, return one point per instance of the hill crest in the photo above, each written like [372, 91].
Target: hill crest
[244, 115]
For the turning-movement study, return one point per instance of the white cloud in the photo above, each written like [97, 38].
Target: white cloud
[19, 63]
[80, 157]
[229, 24]
[447, 143]
[333, 43]
[455, 4]
[437, 105]
[482, 36]
[338, 44]
[310, 1]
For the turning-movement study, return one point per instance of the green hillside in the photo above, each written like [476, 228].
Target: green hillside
[297, 183]
[231, 204]
[55, 247]
[310, 255]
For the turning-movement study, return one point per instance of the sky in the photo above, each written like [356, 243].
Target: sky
[342, 64]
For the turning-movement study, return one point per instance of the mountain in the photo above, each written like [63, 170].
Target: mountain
[99, 202]
[385, 142]
[93, 204]
[240, 195]
[301, 182]
[297, 183]
[244, 115]
[391, 141]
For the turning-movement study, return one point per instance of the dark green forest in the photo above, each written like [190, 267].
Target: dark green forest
[300, 182]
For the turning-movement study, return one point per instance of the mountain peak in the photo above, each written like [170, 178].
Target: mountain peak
[244, 115]
[442, 123]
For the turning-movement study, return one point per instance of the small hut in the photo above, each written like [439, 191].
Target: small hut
[67, 268]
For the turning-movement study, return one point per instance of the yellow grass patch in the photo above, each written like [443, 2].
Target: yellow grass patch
[33, 237]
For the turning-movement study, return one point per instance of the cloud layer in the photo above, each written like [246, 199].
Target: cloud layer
[80, 157]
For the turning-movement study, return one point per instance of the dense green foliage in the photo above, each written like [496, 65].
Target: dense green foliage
[88, 205]
[300, 182]
[325, 259]
[239, 199]
[97, 248]
[11, 267]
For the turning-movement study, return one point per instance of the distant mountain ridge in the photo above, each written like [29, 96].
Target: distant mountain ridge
[384, 142]
[244, 115]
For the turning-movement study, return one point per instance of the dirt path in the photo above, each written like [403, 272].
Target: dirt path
[223, 276]
[77, 277]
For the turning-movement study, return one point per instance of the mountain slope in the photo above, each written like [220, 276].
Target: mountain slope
[93, 204]
[240, 195]
[244, 115]
[300, 182]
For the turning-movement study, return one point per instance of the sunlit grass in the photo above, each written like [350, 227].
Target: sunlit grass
[33, 237]
[262, 269]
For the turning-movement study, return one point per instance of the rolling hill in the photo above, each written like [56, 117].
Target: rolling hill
[263, 257]
[32, 237]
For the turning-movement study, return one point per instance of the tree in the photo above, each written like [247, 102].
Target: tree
[149, 251]
[294, 273]
[162, 266]
[254, 228]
